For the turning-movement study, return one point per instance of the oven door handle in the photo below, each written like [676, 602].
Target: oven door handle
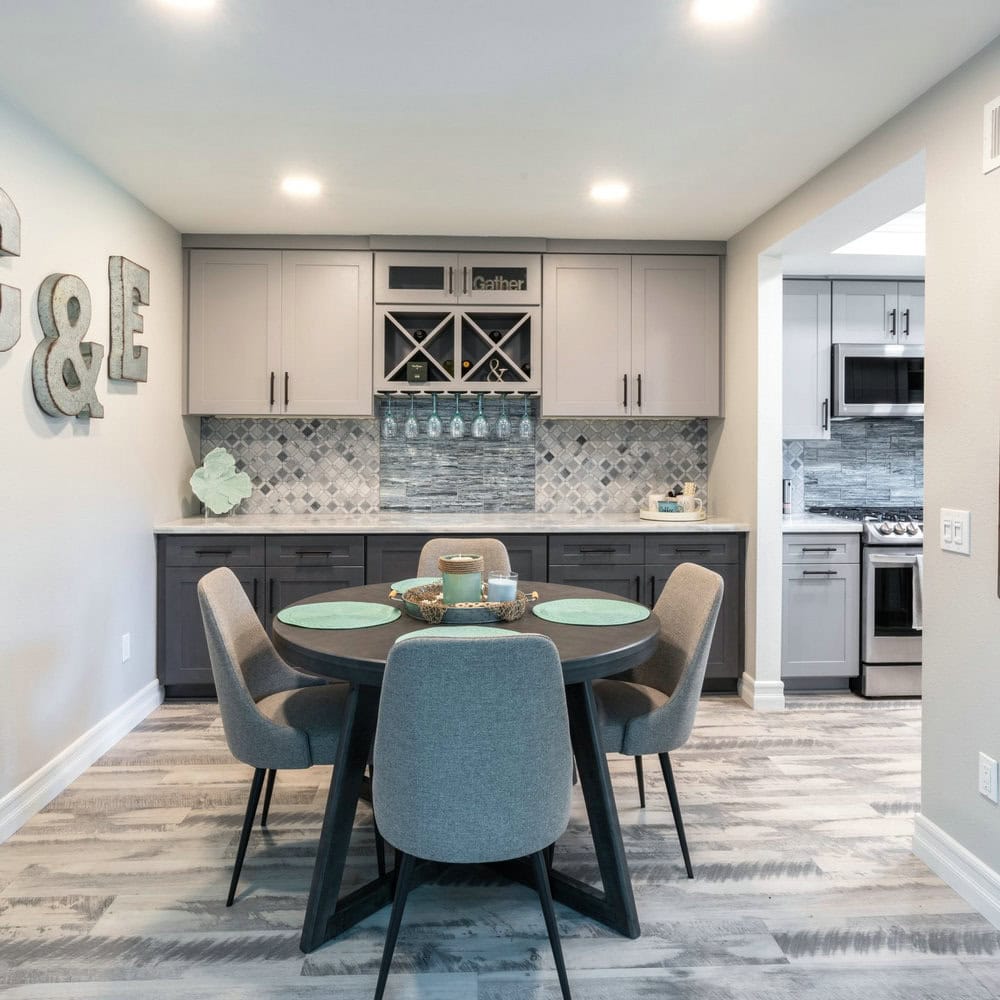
[880, 559]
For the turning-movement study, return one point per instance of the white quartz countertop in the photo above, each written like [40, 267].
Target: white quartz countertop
[820, 523]
[395, 523]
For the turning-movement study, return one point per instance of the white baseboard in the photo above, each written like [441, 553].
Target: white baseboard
[958, 867]
[762, 696]
[37, 791]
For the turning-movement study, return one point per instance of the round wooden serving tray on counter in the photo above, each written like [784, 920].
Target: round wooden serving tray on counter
[680, 515]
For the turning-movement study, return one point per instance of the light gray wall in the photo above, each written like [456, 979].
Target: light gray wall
[962, 429]
[78, 499]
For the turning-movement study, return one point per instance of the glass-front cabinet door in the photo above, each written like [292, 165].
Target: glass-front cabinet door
[471, 278]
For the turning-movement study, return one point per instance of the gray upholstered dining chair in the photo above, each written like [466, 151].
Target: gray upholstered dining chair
[274, 717]
[650, 709]
[493, 551]
[472, 761]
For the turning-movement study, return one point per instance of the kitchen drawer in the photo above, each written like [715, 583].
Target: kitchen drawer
[821, 549]
[213, 550]
[704, 549]
[316, 550]
[595, 550]
[624, 580]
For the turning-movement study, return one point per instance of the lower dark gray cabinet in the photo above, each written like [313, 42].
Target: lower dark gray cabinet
[288, 584]
[184, 662]
[625, 581]
[395, 557]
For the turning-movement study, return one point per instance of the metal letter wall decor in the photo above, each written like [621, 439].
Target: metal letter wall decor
[129, 290]
[64, 369]
[10, 297]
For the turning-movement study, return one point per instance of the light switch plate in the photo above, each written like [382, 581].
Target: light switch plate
[988, 778]
[956, 531]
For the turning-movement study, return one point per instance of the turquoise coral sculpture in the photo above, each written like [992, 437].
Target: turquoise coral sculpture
[218, 485]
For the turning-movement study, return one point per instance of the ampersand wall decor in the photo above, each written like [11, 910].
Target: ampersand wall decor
[64, 369]
[10, 298]
[129, 290]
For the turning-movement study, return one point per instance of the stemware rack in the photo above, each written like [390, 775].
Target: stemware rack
[476, 349]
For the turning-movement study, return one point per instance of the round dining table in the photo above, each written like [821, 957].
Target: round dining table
[359, 655]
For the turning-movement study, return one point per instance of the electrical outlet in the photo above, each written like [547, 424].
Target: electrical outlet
[956, 531]
[126, 647]
[988, 778]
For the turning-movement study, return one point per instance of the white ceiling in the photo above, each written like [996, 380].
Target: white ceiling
[473, 118]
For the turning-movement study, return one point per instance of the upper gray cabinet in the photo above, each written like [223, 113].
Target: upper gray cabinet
[878, 312]
[441, 278]
[630, 336]
[806, 360]
[280, 332]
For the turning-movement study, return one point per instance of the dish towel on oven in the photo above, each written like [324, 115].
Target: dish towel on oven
[918, 593]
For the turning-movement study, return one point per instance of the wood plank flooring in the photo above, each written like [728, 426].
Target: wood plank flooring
[799, 826]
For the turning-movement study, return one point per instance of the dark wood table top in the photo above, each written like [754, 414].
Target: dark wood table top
[586, 651]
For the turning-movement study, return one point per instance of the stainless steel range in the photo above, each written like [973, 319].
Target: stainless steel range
[892, 541]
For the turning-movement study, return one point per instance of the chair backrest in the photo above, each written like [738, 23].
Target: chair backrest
[494, 553]
[472, 759]
[246, 669]
[688, 609]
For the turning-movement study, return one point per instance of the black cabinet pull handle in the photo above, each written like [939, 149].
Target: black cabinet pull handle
[451, 281]
[272, 388]
[681, 548]
[819, 572]
[826, 414]
[892, 322]
[638, 380]
[597, 548]
[286, 388]
[313, 552]
[906, 322]
[213, 552]
[625, 391]
[270, 595]
[465, 281]
[255, 582]
[638, 586]
[652, 591]
[828, 548]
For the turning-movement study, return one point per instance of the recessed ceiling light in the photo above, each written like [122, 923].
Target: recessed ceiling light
[609, 191]
[192, 5]
[722, 11]
[301, 187]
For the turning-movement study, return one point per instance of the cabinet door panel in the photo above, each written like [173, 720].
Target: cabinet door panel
[865, 312]
[911, 312]
[625, 581]
[820, 626]
[586, 345]
[675, 336]
[186, 659]
[326, 345]
[806, 353]
[234, 330]
[288, 584]
[724, 656]
[500, 278]
[416, 277]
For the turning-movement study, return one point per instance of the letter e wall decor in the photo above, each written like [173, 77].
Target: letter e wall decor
[10, 298]
[129, 290]
[64, 369]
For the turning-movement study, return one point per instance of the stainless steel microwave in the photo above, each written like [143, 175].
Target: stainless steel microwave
[878, 380]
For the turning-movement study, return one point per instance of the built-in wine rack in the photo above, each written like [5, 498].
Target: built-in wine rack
[478, 349]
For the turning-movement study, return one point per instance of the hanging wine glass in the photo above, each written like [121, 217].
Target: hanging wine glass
[526, 428]
[411, 428]
[457, 426]
[503, 421]
[434, 421]
[480, 428]
[388, 421]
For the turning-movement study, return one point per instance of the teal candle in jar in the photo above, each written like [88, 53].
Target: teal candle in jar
[461, 579]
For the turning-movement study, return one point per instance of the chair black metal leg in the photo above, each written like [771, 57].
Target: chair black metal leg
[268, 791]
[642, 783]
[255, 787]
[545, 895]
[675, 807]
[379, 850]
[403, 878]
[550, 853]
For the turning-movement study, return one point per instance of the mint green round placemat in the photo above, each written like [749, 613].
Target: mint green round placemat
[338, 614]
[402, 586]
[591, 611]
[456, 632]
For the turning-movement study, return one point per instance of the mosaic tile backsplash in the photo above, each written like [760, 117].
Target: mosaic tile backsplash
[876, 461]
[301, 466]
